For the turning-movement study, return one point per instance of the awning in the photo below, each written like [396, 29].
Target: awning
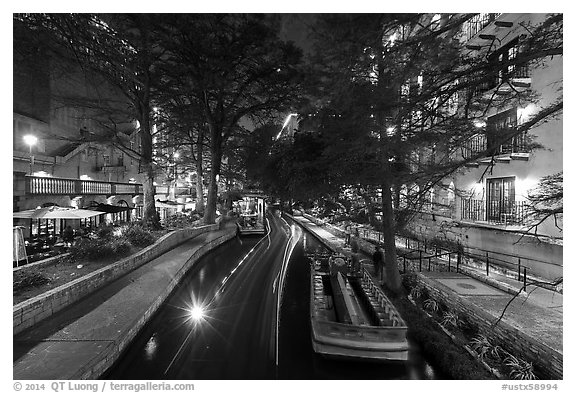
[167, 204]
[55, 212]
[106, 208]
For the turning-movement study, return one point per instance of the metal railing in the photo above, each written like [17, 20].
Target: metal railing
[518, 144]
[422, 255]
[478, 143]
[494, 212]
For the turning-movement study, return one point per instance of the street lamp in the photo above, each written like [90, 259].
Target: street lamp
[175, 156]
[30, 140]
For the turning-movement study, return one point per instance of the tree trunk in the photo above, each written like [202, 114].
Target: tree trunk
[150, 215]
[388, 230]
[199, 189]
[199, 177]
[216, 162]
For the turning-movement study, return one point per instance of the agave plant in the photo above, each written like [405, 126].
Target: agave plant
[481, 345]
[484, 348]
[417, 291]
[519, 368]
[450, 318]
[431, 305]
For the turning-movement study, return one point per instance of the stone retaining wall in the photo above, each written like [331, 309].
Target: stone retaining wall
[112, 353]
[32, 311]
[547, 360]
[543, 259]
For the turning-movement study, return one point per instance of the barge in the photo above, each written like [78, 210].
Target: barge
[351, 318]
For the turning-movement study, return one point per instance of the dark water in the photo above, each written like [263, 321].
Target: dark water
[239, 337]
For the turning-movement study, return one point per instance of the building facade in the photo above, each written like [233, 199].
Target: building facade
[484, 206]
[64, 154]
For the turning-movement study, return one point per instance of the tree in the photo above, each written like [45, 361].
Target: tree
[400, 88]
[184, 129]
[120, 51]
[237, 70]
[546, 201]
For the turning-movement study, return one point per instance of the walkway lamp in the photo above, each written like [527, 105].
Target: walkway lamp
[30, 140]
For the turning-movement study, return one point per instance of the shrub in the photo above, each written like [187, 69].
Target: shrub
[95, 249]
[519, 369]
[105, 232]
[138, 235]
[121, 247]
[27, 278]
[450, 360]
[409, 280]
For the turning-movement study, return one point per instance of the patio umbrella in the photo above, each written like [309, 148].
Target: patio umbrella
[55, 212]
[167, 204]
[107, 208]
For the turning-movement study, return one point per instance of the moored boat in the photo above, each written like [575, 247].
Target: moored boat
[350, 315]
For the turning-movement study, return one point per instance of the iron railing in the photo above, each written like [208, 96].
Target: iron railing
[419, 255]
[478, 143]
[494, 212]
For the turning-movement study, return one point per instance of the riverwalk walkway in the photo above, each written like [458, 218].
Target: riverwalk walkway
[537, 312]
[83, 340]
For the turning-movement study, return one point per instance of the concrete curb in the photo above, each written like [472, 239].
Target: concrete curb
[29, 312]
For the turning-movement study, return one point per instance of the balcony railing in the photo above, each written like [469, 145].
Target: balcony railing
[162, 189]
[110, 168]
[494, 212]
[476, 144]
[59, 186]
[479, 143]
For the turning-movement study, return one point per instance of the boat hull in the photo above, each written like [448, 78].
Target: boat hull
[367, 342]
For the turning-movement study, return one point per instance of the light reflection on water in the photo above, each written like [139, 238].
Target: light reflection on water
[151, 347]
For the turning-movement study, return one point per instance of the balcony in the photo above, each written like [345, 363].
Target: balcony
[478, 22]
[61, 186]
[110, 168]
[494, 212]
[476, 144]
[162, 190]
[517, 147]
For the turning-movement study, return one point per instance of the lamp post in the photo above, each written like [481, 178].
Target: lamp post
[30, 140]
[176, 155]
